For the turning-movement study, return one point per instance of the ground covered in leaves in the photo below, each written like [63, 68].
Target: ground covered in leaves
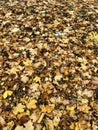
[48, 65]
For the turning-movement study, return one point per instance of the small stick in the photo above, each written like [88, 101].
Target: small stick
[40, 118]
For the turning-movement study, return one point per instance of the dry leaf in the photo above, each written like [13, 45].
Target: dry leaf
[36, 79]
[38, 127]
[32, 104]
[18, 127]
[35, 116]
[49, 124]
[58, 77]
[56, 121]
[71, 109]
[29, 125]
[27, 62]
[7, 93]
[2, 120]
[47, 108]
[24, 78]
[18, 109]
[95, 80]
[14, 30]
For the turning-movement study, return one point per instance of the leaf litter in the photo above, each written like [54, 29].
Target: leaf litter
[48, 65]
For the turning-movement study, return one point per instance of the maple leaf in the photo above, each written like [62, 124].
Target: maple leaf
[56, 121]
[27, 62]
[71, 109]
[35, 116]
[29, 125]
[14, 30]
[13, 70]
[2, 121]
[36, 79]
[47, 108]
[31, 104]
[18, 109]
[94, 35]
[95, 80]
[49, 124]
[18, 127]
[24, 78]
[7, 93]
[58, 77]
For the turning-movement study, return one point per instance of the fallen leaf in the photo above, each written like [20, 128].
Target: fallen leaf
[49, 124]
[27, 62]
[95, 80]
[2, 120]
[18, 109]
[7, 93]
[71, 109]
[31, 104]
[29, 125]
[56, 121]
[47, 108]
[37, 79]
[24, 78]
[58, 77]
[18, 127]
[14, 30]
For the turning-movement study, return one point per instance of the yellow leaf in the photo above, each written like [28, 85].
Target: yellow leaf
[58, 77]
[18, 109]
[72, 126]
[47, 108]
[36, 79]
[86, 109]
[66, 72]
[94, 35]
[7, 93]
[66, 79]
[83, 66]
[43, 128]
[27, 112]
[71, 109]
[31, 104]
[27, 62]
[45, 45]
[56, 121]
[78, 126]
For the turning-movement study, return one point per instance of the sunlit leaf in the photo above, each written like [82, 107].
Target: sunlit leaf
[7, 93]
[31, 104]
[18, 109]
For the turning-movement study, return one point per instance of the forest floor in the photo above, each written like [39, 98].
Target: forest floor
[48, 65]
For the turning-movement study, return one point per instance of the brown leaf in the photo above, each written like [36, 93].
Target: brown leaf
[95, 81]
[1, 60]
